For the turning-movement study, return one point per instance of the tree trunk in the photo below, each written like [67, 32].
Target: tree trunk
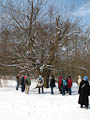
[46, 75]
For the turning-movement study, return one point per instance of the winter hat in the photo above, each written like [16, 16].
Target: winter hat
[85, 78]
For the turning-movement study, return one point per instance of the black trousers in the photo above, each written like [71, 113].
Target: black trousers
[51, 90]
[39, 89]
[23, 88]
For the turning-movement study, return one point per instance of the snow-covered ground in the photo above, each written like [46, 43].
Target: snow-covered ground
[15, 105]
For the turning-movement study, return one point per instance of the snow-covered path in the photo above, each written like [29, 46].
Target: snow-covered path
[15, 105]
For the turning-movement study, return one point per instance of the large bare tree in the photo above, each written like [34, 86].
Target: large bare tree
[37, 42]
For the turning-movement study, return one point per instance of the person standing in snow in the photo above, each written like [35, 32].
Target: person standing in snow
[59, 84]
[40, 83]
[23, 84]
[69, 84]
[52, 83]
[27, 83]
[67, 90]
[18, 81]
[64, 85]
[79, 80]
[84, 89]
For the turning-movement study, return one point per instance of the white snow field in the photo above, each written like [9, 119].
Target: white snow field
[15, 105]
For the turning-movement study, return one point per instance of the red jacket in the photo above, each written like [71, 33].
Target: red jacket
[25, 77]
[60, 81]
[69, 83]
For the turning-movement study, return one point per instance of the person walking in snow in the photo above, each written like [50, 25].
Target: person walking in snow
[27, 83]
[69, 84]
[84, 89]
[52, 83]
[40, 83]
[59, 84]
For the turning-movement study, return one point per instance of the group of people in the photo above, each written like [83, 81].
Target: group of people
[64, 86]
[24, 81]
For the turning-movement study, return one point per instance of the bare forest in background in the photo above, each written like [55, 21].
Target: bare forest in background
[36, 39]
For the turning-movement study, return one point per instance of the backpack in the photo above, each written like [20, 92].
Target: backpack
[40, 79]
[64, 83]
[28, 80]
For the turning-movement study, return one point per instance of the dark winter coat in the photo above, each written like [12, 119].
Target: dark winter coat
[17, 79]
[22, 84]
[23, 81]
[84, 93]
[52, 82]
